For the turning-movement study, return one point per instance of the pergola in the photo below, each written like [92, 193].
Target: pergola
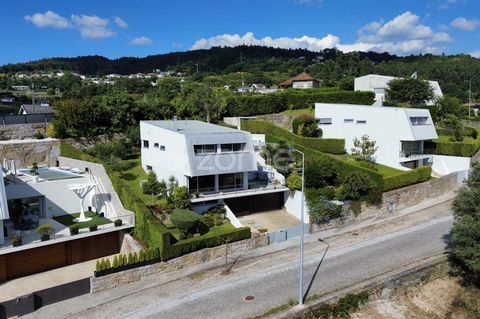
[82, 190]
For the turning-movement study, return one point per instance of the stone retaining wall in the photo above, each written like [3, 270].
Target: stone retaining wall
[382, 287]
[83, 143]
[396, 200]
[282, 120]
[195, 258]
[26, 152]
[21, 131]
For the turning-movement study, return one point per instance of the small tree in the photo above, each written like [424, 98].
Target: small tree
[181, 198]
[453, 123]
[294, 181]
[151, 185]
[115, 262]
[364, 150]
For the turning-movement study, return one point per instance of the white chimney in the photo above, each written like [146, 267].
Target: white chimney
[174, 123]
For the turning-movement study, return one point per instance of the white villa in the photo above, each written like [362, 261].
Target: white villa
[399, 133]
[377, 84]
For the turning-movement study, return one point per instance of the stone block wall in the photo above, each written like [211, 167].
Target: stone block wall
[124, 277]
[21, 131]
[282, 120]
[26, 152]
[396, 200]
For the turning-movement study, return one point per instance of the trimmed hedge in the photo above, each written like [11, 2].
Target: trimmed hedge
[256, 104]
[464, 149]
[413, 176]
[326, 145]
[342, 168]
[191, 244]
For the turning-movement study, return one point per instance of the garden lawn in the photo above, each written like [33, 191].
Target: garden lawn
[67, 220]
[446, 139]
[384, 170]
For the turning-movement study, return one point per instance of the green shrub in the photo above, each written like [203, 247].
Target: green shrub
[151, 185]
[125, 261]
[331, 146]
[107, 263]
[135, 257]
[98, 266]
[105, 150]
[103, 264]
[406, 178]
[320, 208]
[186, 220]
[115, 262]
[464, 148]
[38, 135]
[120, 260]
[356, 185]
[306, 125]
[320, 172]
[130, 258]
[294, 181]
[328, 192]
[141, 256]
[181, 198]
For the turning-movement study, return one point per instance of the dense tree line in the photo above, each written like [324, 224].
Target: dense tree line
[257, 64]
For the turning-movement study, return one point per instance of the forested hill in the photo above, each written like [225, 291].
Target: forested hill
[212, 60]
[329, 65]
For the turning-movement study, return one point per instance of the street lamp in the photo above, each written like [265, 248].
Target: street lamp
[302, 226]
[196, 66]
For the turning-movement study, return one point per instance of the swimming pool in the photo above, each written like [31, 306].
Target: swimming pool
[50, 173]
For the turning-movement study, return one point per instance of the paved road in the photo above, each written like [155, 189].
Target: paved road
[272, 280]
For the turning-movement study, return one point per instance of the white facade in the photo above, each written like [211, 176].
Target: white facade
[378, 83]
[205, 157]
[399, 133]
[305, 84]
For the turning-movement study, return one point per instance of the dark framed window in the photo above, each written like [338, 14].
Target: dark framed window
[146, 144]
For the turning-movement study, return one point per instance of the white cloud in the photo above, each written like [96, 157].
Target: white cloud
[92, 27]
[140, 41]
[120, 22]
[402, 35]
[231, 40]
[448, 3]
[177, 45]
[475, 54]
[48, 19]
[465, 24]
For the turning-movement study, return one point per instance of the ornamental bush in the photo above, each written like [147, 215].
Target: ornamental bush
[356, 185]
[186, 220]
[306, 125]
[321, 209]
[294, 181]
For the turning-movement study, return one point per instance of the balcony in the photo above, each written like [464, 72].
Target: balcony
[406, 156]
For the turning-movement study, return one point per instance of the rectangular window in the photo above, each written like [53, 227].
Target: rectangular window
[325, 121]
[149, 168]
[145, 144]
[361, 122]
[155, 145]
[348, 121]
[234, 147]
[229, 182]
[205, 149]
[418, 120]
[162, 148]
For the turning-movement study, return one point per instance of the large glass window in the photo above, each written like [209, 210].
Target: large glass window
[202, 184]
[205, 149]
[418, 120]
[230, 181]
[411, 148]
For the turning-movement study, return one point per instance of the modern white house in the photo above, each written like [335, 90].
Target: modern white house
[205, 157]
[378, 83]
[399, 133]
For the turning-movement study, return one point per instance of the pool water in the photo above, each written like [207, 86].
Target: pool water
[51, 174]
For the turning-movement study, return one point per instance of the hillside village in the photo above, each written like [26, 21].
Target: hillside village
[111, 180]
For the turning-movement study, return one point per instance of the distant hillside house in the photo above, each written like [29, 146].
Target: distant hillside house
[378, 83]
[43, 108]
[301, 81]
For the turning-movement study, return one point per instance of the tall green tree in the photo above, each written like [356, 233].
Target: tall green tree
[121, 109]
[466, 228]
[409, 90]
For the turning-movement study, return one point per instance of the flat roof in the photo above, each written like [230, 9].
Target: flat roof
[190, 127]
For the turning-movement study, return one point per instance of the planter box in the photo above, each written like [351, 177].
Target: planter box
[126, 267]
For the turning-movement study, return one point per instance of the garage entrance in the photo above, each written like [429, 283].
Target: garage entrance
[247, 205]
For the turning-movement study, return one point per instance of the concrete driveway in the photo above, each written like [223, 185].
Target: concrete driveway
[271, 220]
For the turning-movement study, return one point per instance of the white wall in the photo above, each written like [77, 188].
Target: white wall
[444, 165]
[293, 205]
[171, 162]
[2, 239]
[233, 219]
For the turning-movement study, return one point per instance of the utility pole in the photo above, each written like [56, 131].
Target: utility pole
[469, 97]
[32, 86]
[302, 230]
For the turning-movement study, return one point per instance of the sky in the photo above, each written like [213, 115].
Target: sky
[35, 29]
